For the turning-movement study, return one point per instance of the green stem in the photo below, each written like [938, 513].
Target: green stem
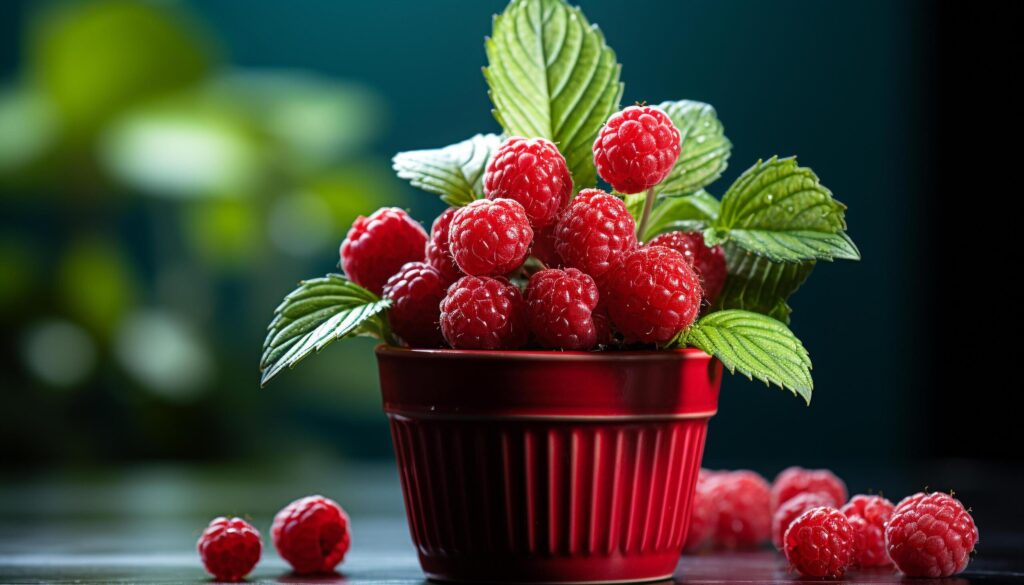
[648, 206]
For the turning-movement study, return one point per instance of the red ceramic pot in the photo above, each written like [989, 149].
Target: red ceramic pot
[548, 466]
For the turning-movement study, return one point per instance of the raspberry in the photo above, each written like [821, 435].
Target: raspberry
[416, 292]
[560, 306]
[636, 149]
[930, 535]
[709, 263]
[820, 543]
[484, 313]
[704, 513]
[490, 237]
[868, 516]
[377, 246]
[312, 534]
[797, 480]
[229, 548]
[532, 172]
[544, 246]
[439, 255]
[594, 232]
[744, 514]
[654, 295]
[792, 509]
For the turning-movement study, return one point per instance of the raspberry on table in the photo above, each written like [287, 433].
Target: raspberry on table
[490, 237]
[703, 513]
[377, 246]
[792, 508]
[930, 535]
[636, 148]
[229, 548]
[416, 291]
[868, 515]
[560, 306]
[708, 262]
[438, 253]
[594, 232]
[544, 246]
[312, 534]
[742, 499]
[484, 313]
[653, 295]
[796, 480]
[820, 543]
[534, 173]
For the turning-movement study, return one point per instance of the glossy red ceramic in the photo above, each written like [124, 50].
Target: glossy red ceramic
[526, 467]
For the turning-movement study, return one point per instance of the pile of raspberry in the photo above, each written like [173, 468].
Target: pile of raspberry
[807, 516]
[530, 264]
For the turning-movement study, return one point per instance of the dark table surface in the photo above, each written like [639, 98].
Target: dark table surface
[141, 527]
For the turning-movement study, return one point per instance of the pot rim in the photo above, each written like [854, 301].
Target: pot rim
[546, 355]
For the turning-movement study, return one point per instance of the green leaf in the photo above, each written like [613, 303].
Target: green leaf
[455, 172]
[755, 345]
[634, 204]
[705, 149]
[782, 211]
[685, 213]
[757, 284]
[318, 312]
[552, 76]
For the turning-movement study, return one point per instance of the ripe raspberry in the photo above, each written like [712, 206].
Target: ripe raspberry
[797, 480]
[792, 509]
[377, 246]
[868, 515]
[820, 543]
[544, 246]
[636, 148]
[594, 232]
[704, 513]
[229, 548]
[930, 535]
[744, 514]
[490, 237]
[484, 313]
[654, 295]
[312, 534]
[532, 172]
[560, 306]
[439, 255]
[416, 292]
[709, 263]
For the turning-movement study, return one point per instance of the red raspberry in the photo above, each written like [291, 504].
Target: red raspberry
[868, 516]
[439, 255]
[560, 306]
[744, 515]
[312, 534]
[654, 295]
[636, 149]
[792, 509]
[704, 513]
[797, 480]
[820, 543]
[377, 246]
[930, 535]
[229, 548]
[594, 232]
[484, 313]
[532, 172]
[416, 292]
[490, 237]
[708, 262]
[544, 246]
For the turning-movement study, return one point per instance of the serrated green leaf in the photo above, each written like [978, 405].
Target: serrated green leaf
[755, 345]
[705, 150]
[552, 76]
[757, 284]
[455, 172]
[782, 211]
[684, 213]
[315, 314]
